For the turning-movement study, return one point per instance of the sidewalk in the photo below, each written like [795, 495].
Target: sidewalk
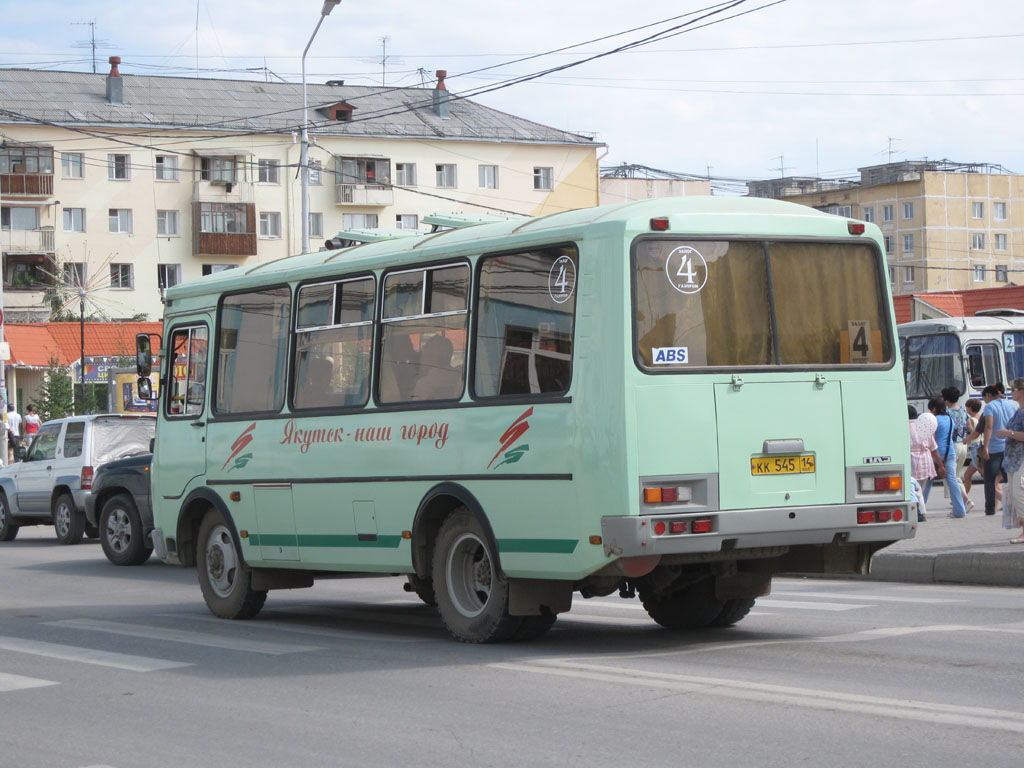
[974, 550]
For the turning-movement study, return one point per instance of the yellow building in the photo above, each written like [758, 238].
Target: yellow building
[128, 184]
[947, 226]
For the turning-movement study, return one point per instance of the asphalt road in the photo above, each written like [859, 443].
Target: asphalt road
[124, 667]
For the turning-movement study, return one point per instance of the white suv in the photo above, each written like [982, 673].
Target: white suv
[50, 486]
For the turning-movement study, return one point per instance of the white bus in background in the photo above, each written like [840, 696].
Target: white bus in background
[965, 352]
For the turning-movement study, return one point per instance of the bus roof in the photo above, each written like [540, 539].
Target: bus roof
[953, 324]
[696, 215]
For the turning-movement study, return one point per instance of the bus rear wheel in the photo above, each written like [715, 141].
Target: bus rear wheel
[225, 580]
[472, 597]
[732, 612]
[690, 607]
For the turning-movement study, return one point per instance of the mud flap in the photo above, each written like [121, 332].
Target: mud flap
[534, 597]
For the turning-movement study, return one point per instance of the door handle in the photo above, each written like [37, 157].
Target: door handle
[198, 423]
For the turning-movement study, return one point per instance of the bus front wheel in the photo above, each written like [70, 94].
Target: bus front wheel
[225, 580]
[472, 597]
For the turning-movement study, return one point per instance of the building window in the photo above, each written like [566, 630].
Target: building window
[978, 240]
[72, 165]
[166, 168]
[908, 243]
[1000, 242]
[405, 174]
[119, 167]
[74, 219]
[316, 225]
[845, 211]
[892, 274]
[890, 244]
[220, 169]
[407, 221]
[222, 218]
[977, 210]
[167, 223]
[168, 275]
[213, 269]
[979, 273]
[908, 275]
[887, 213]
[869, 214]
[1002, 275]
[999, 211]
[445, 175]
[359, 221]
[121, 276]
[316, 172]
[21, 159]
[74, 273]
[364, 170]
[908, 210]
[543, 178]
[488, 176]
[270, 225]
[269, 173]
[120, 221]
[19, 219]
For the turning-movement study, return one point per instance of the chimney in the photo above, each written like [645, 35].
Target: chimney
[441, 106]
[115, 85]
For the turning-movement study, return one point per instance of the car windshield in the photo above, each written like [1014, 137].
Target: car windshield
[118, 438]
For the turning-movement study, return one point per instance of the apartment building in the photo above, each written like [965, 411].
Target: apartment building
[114, 187]
[627, 182]
[947, 226]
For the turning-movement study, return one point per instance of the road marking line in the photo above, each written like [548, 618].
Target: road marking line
[185, 636]
[869, 598]
[906, 709]
[88, 655]
[19, 683]
[591, 618]
[767, 602]
[284, 626]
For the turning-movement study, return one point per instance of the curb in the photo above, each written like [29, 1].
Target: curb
[998, 569]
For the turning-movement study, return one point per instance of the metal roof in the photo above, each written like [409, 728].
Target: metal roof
[80, 98]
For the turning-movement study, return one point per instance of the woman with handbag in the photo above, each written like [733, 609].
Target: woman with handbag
[945, 428]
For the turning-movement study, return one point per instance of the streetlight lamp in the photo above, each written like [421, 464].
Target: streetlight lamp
[329, 5]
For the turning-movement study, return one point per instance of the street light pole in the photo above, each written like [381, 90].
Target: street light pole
[329, 5]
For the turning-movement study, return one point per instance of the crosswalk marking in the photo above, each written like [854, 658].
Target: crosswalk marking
[87, 655]
[768, 602]
[19, 683]
[185, 636]
[872, 598]
[748, 690]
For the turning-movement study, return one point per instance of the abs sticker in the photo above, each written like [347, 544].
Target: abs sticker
[669, 355]
[562, 280]
[686, 269]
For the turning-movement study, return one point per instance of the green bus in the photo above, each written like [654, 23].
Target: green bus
[671, 399]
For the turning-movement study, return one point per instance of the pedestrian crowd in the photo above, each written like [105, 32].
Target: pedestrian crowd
[20, 430]
[983, 437]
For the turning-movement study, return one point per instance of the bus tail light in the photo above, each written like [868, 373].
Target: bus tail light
[86, 478]
[676, 526]
[875, 483]
[667, 495]
[855, 227]
[659, 224]
[701, 526]
[871, 516]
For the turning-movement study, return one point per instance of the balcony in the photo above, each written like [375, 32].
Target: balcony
[364, 194]
[28, 240]
[26, 185]
[224, 192]
[224, 229]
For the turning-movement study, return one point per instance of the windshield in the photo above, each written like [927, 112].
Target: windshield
[933, 362]
[754, 303]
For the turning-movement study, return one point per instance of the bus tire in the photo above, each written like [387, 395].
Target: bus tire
[472, 597]
[691, 607]
[734, 611]
[225, 580]
[8, 530]
[68, 522]
[121, 526]
[533, 627]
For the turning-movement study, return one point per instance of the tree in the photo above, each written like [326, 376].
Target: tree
[56, 395]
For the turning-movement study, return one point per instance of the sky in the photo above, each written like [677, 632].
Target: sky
[750, 89]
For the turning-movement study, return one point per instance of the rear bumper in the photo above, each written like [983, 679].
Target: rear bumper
[632, 536]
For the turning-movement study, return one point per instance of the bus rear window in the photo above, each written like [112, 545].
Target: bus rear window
[755, 304]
